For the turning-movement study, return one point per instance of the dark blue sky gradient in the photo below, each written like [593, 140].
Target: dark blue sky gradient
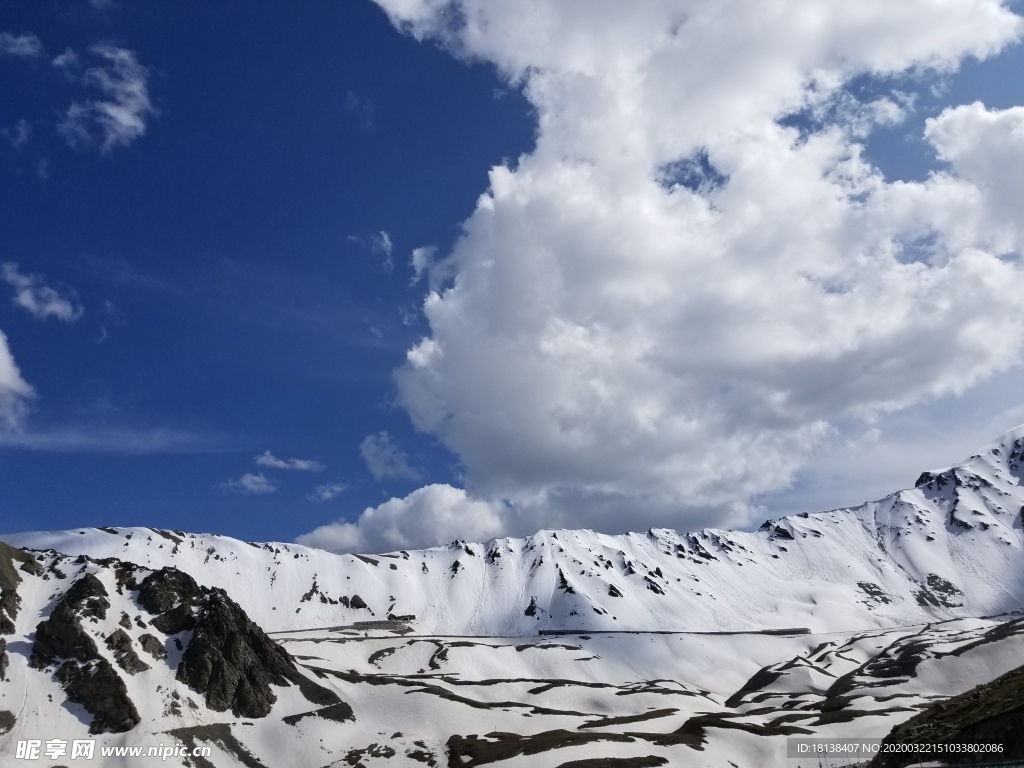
[234, 243]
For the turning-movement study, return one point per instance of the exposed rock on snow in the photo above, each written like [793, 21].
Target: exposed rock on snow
[991, 713]
[120, 642]
[88, 678]
[234, 663]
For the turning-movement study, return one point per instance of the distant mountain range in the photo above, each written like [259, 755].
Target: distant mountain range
[260, 651]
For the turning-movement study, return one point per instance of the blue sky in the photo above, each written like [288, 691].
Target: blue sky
[220, 229]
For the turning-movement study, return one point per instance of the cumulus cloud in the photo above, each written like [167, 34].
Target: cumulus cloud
[670, 303]
[40, 300]
[267, 459]
[428, 516]
[384, 458]
[25, 46]
[326, 492]
[249, 484]
[15, 392]
[986, 148]
[120, 115]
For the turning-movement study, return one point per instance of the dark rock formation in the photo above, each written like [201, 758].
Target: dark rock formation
[229, 658]
[167, 588]
[4, 661]
[991, 713]
[120, 642]
[175, 596]
[233, 662]
[97, 687]
[88, 678]
[152, 646]
[89, 596]
[10, 602]
[61, 636]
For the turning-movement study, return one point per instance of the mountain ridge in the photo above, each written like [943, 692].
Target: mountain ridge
[951, 546]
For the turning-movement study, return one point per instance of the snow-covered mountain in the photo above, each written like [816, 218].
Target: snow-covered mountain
[952, 546]
[144, 636]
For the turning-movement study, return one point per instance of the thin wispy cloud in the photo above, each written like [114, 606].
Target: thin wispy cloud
[115, 440]
[267, 459]
[121, 113]
[422, 262]
[380, 243]
[38, 299]
[363, 109]
[326, 492]
[249, 484]
[17, 135]
[385, 459]
[24, 46]
[67, 61]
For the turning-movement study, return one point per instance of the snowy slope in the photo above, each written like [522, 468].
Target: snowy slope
[953, 546]
[894, 592]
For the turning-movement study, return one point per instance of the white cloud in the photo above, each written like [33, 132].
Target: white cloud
[119, 117]
[381, 244]
[986, 147]
[384, 458]
[326, 492]
[67, 61]
[267, 459]
[249, 484]
[618, 336]
[15, 392]
[422, 262]
[432, 515]
[40, 300]
[22, 46]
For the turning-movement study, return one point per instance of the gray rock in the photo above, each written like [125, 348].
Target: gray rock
[97, 687]
[167, 588]
[88, 678]
[152, 646]
[10, 604]
[120, 642]
[61, 636]
[4, 661]
[233, 662]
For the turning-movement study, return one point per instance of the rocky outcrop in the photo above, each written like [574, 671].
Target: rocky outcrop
[174, 596]
[10, 602]
[4, 661]
[167, 588]
[229, 659]
[97, 687]
[233, 662]
[152, 646]
[120, 642]
[62, 636]
[87, 677]
[991, 713]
